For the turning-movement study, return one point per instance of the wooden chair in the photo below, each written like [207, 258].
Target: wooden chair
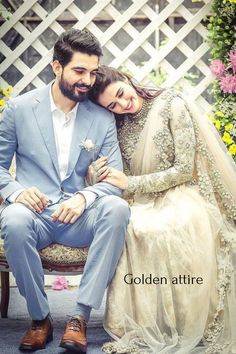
[56, 259]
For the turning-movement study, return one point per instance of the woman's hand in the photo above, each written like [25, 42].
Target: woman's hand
[97, 171]
[116, 178]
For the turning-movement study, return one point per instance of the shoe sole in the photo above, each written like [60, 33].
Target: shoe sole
[31, 349]
[74, 347]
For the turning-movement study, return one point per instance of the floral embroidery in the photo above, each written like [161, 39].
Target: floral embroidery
[129, 130]
[175, 150]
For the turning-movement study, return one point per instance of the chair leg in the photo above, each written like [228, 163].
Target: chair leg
[5, 291]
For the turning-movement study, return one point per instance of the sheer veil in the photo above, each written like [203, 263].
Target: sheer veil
[219, 159]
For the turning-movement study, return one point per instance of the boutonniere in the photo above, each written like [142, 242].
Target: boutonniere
[88, 145]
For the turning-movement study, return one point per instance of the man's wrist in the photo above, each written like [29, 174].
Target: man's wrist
[13, 197]
[89, 197]
[79, 194]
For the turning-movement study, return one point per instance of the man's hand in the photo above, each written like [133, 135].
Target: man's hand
[70, 210]
[33, 199]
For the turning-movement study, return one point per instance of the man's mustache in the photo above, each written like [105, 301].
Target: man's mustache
[83, 86]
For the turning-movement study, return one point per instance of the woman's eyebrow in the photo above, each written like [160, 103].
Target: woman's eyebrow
[120, 90]
[117, 94]
[110, 104]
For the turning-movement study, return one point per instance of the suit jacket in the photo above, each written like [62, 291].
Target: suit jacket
[26, 129]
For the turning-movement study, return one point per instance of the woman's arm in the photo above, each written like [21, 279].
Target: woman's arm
[182, 130]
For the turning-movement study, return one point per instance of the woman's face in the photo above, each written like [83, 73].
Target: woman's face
[120, 97]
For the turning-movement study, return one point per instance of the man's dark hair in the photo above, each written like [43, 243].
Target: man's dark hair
[75, 40]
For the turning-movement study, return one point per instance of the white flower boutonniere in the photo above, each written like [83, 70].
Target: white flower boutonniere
[88, 145]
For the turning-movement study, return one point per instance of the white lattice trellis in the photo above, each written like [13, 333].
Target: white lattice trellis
[157, 54]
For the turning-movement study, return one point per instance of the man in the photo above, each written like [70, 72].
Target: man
[56, 133]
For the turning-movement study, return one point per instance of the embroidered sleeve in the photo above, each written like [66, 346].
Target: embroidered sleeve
[182, 131]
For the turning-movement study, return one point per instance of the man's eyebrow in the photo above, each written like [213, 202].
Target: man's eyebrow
[79, 68]
[82, 68]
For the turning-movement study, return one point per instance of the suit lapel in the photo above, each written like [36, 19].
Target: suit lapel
[83, 122]
[43, 117]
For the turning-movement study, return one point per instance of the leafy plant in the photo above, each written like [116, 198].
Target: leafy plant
[222, 28]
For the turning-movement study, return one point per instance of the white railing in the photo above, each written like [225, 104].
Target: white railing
[157, 53]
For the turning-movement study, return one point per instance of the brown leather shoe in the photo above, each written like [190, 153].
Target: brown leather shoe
[39, 333]
[74, 337]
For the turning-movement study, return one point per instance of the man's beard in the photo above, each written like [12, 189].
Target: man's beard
[69, 90]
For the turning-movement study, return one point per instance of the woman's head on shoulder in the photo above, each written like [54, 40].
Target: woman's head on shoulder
[118, 92]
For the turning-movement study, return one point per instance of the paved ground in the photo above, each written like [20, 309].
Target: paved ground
[61, 303]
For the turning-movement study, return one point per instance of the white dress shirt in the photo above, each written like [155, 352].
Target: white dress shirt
[63, 125]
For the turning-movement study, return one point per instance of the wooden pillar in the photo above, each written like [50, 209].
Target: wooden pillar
[5, 292]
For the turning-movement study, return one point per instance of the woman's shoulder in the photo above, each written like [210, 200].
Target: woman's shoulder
[170, 99]
[169, 93]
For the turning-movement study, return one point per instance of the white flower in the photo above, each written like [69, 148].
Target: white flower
[88, 145]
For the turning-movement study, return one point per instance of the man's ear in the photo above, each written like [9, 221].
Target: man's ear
[57, 68]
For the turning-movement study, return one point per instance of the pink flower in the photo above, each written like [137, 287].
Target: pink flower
[60, 283]
[232, 59]
[228, 84]
[217, 68]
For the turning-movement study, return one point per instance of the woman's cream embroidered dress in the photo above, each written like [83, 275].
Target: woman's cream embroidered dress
[183, 188]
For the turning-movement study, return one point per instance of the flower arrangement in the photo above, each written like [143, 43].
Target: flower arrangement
[88, 145]
[60, 283]
[4, 96]
[222, 29]
[225, 75]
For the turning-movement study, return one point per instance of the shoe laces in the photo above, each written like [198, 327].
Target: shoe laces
[75, 324]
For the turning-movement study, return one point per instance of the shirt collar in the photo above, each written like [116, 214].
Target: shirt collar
[55, 108]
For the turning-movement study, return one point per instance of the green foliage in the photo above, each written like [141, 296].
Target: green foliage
[158, 76]
[4, 13]
[222, 40]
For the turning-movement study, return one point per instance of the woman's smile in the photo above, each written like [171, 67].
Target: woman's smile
[129, 106]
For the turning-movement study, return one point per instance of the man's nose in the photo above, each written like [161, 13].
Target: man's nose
[86, 79]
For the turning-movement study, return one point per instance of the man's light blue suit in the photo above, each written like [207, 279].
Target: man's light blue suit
[26, 129]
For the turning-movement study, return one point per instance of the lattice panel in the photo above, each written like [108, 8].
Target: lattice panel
[158, 42]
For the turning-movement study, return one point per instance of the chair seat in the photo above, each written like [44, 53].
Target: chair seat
[56, 257]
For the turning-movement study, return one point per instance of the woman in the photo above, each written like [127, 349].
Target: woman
[174, 288]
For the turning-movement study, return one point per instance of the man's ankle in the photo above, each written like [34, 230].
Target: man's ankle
[48, 317]
[83, 311]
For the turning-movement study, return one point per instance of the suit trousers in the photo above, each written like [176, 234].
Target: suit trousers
[102, 227]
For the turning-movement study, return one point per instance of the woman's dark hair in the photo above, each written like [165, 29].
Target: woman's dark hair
[75, 40]
[107, 75]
